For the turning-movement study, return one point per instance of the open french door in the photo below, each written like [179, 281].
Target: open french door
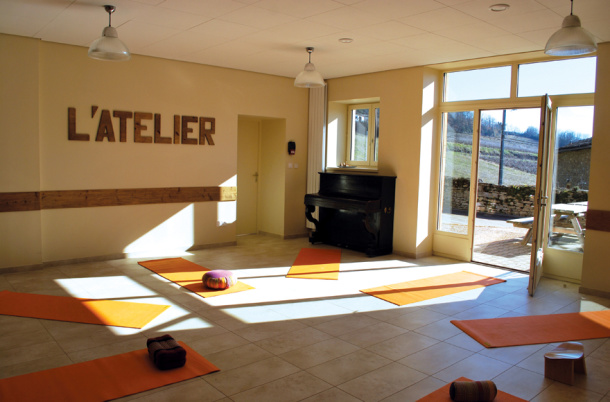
[540, 224]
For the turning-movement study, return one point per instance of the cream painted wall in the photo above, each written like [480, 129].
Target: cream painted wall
[400, 128]
[596, 266]
[47, 78]
[19, 115]
[272, 176]
[295, 180]
[335, 133]
[19, 157]
[428, 165]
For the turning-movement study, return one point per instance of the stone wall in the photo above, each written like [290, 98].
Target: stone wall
[506, 200]
[573, 169]
[510, 201]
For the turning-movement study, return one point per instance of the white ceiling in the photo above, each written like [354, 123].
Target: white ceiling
[270, 36]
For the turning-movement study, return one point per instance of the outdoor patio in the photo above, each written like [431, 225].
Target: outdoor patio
[498, 242]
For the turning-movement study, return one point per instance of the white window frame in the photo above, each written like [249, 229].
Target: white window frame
[371, 145]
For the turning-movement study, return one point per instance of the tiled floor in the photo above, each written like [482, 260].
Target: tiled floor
[310, 340]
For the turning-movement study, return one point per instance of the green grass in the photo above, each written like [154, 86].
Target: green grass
[459, 163]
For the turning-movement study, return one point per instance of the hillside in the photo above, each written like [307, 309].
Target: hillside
[520, 159]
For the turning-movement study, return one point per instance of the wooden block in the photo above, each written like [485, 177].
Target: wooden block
[559, 370]
[561, 362]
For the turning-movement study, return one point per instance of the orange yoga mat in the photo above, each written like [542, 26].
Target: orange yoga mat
[313, 263]
[442, 395]
[101, 379]
[188, 275]
[88, 311]
[534, 329]
[430, 288]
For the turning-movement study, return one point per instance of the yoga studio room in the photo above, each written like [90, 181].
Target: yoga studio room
[318, 201]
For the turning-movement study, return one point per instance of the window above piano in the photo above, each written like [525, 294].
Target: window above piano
[353, 134]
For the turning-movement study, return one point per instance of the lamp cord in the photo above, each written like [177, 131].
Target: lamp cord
[571, 7]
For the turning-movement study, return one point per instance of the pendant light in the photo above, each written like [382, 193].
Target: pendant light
[571, 39]
[109, 46]
[309, 77]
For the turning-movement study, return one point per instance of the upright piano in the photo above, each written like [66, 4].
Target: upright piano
[356, 211]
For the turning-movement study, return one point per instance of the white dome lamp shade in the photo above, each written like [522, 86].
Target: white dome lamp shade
[572, 39]
[309, 77]
[109, 46]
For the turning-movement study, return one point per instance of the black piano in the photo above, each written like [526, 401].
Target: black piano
[356, 211]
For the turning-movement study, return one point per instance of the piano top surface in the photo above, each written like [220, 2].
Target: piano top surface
[364, 186]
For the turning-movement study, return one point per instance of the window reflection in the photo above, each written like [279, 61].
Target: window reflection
[571, 177]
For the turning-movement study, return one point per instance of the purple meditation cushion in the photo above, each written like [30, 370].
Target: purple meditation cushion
[219, 279]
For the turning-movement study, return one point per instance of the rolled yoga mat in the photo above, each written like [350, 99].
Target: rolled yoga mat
[443, 395]
[468, 391]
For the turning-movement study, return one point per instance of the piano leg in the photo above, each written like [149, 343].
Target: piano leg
[372, 227]
[309, 209]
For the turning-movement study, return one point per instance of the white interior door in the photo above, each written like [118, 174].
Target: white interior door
[540, 225]
[248, 140]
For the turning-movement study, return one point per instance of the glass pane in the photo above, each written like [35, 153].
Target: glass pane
[360, 134]
[571, 177]
[484, 83]
[376, 144]
[456, 159]
[506, 181]
[560, 77]
[508, 152]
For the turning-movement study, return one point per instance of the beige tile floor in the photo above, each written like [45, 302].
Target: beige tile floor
[307, 340]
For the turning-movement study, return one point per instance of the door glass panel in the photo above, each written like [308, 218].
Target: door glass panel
[572, 156]
[509, 147]
[508, 156]
[456, 159]
[359, 134]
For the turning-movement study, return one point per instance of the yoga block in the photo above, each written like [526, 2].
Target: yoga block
[166, 353]
[473, 391]
[219, 279]
[561, 362]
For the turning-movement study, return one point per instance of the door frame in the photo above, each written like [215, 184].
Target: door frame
[476, 143]
[540, 227]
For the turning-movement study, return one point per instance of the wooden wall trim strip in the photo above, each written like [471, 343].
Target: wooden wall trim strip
[32, 201]
[24, 201]
[598, 220]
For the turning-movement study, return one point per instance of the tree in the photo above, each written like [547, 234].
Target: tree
[461, 122]
[532, 132]
[490, 127]
[568, 137]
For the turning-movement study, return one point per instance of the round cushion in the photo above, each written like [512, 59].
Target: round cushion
[219, 279]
